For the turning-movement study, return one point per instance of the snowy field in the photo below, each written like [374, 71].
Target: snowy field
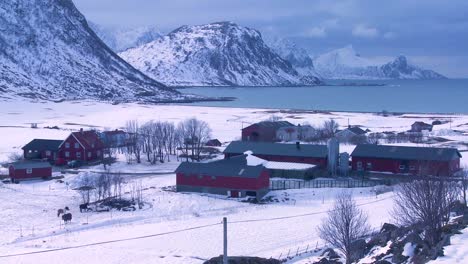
[176, 227]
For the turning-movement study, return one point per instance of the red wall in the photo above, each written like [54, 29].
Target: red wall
[432, 168]
[73, 151]
[263, 181]
[36, 173]
[265, 134]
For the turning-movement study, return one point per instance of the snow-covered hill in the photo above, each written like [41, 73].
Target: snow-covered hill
[49, 52]
[346, 63]
[297, 56]
[123, 38]
[217, 54]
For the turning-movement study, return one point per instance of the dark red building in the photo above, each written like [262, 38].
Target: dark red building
[299, 153]
[232, 177]
[213, 143]
[29, 170]
[420, 161]
[83, 145]
[263, 131]
[44, 149]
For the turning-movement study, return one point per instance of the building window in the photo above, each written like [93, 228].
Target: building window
[98, 153]
[29, 171]
[200, 177]
[89, 154]
[369, 166]
[412, 167]
[77, 145]
[359, 164]
[213, 177]
[48, 153]
[78, 155]
[67, 145]
[92, 145]
[67, 154]
[402, 167]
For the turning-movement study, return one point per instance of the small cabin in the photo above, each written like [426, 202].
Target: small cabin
[25, 170]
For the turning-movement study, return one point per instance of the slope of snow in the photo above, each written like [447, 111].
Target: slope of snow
[346, 63]
[217, 54]
[297, 56]
[122, 38]
[48, 51]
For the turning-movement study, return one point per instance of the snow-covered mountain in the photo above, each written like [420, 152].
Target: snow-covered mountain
[217, 54]
[48, 51]
[346, 63]
[123, 38]
[297, 56]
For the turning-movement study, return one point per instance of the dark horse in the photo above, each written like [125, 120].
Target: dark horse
[84, 207]
[67, 217]
[59, 212]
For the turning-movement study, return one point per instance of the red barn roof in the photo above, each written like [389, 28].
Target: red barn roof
[88, 139]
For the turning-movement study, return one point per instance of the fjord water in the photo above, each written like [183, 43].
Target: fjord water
[416, 96]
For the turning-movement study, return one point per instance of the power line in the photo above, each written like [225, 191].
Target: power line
[173, 232]
[108, 241]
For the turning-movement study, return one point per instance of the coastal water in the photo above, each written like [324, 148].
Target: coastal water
[422, 96]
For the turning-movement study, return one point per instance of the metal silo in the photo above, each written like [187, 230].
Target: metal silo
[333, 154]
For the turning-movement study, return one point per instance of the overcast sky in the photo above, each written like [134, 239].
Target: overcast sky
[432, 33]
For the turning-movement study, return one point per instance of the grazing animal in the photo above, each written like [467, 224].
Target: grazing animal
[67, 217]
[84, 207]
[59, 212]
[66, 208]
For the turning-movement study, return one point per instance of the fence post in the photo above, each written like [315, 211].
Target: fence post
[307, 248]
[289, 251]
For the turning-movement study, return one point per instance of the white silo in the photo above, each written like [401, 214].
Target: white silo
[333, 154]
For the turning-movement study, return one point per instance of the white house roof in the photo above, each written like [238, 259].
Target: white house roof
[276, 165]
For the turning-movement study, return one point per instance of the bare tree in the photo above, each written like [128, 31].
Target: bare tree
[464, 183]
[135, 141]
[330, 127]
[193, 134]
[427, 203]
[344, 224]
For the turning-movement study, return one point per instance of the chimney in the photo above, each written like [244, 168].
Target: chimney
[298, 145]
[81, 130]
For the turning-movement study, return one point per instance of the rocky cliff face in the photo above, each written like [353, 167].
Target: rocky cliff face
[217, 54]
[48, 51]
[346, 63]
[122, 38]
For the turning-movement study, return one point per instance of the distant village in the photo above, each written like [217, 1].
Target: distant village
[267, 150]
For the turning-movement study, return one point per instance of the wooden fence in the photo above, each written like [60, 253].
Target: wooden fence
[294, 184]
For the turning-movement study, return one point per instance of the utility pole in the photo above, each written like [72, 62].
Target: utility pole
[225, 257]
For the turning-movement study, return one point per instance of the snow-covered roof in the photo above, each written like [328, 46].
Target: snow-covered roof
[275, 165]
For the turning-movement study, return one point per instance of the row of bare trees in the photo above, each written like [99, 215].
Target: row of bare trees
[157, 140]
[101, 186]
[426, 204]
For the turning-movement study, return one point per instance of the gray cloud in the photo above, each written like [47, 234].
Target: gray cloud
[417, 28]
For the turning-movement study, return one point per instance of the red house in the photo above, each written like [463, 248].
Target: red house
[45, 149]
[83, 145]
[29, 170]
[421, 161]
[298, 153]
[263, 131]
[232, 177]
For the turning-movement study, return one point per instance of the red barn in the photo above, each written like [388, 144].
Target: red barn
[232, 177]
[263, 131]
[298, 153]
[421, 161]
[42, 149]
[29, 170]
[83, 145]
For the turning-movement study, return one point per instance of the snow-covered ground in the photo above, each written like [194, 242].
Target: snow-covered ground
[176, 227]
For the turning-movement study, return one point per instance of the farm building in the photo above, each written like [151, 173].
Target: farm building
[420, 126]
[295, 133]
[296, 153]
[422, 161]
[213, 143]
[349, 133]
[83, 145]
[46, 149]
[114, 139]
[24, 170]
[263, 131]
[232, 177]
